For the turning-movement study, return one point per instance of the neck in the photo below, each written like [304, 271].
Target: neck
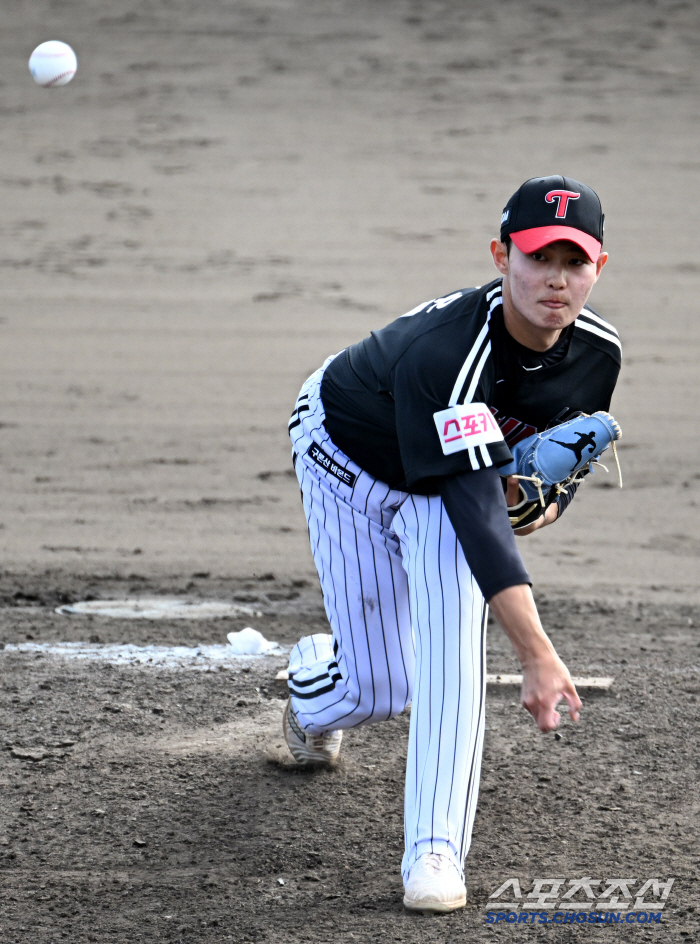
[524, 331]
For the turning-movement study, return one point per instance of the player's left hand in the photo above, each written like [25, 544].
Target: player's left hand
[545, 682]
[513, 497]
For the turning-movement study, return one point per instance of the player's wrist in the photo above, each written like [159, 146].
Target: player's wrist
[538, 654]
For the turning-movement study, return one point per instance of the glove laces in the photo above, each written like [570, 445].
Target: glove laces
[574, 479]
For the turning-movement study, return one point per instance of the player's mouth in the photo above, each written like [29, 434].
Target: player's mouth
[554, 304]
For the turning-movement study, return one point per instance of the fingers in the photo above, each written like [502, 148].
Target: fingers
[573, 701]
[528, 529]
[547, 517]
[543, 707]
[512, 491]
[546, 718]
[552, 513]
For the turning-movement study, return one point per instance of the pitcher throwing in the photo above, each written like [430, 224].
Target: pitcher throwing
[397, 443]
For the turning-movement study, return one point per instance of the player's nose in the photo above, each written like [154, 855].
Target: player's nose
[556, 278]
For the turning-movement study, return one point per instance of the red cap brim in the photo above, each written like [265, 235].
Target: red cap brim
[530, 240]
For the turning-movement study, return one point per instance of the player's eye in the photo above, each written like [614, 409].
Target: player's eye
[538, 256]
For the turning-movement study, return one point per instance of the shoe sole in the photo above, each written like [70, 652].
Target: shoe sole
[435, 907]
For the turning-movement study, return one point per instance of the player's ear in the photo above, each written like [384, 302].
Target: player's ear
[600, 262]
[499, 252]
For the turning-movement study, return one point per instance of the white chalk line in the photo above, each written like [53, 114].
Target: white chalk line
[199, 658]
[153, 608]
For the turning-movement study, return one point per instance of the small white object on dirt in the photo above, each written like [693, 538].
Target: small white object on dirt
[53, 64]
[153, 608]
[249, 642]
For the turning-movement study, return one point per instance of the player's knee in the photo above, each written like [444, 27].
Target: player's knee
[374, 705]
[365, 709]
[399, 704]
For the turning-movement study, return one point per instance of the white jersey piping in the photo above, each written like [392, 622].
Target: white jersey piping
[613, 339]
[473, 354]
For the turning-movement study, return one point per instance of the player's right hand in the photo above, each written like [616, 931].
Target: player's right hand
[545, 682]
[512, 491]
[514, 497]
[546, 679]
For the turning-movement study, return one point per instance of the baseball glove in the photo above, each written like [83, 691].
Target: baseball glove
[546, 463]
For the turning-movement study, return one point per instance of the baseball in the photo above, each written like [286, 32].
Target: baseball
[52, 64]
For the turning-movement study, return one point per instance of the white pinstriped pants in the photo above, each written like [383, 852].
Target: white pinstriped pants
[392, 572]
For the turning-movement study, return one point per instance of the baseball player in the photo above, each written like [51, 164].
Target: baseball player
[409, 524]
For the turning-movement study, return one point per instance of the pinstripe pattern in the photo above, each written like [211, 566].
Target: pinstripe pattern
[358, 559]
[447, 717]
[392, 571]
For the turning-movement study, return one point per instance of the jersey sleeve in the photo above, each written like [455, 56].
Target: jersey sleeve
[439, 433]
[476, 507]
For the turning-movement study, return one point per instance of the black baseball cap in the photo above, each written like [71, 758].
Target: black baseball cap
[545, 209]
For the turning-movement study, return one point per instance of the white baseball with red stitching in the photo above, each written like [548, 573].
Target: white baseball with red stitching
[53, 64]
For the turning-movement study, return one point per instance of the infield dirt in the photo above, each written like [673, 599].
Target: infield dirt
[226, 194]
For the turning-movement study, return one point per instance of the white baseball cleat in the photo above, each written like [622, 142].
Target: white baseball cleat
[309, 748]
[434, 884]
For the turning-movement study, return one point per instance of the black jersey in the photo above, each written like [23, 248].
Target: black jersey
[386, 396]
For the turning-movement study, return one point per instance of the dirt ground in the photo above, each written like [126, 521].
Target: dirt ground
[228, 192]
[144, 805]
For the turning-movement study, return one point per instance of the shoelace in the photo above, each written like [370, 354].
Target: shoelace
[436, 861]
[319, 740]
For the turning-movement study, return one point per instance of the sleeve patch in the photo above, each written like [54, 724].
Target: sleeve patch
[465, 426]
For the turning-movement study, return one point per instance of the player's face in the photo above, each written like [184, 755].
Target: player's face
[546, 290]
